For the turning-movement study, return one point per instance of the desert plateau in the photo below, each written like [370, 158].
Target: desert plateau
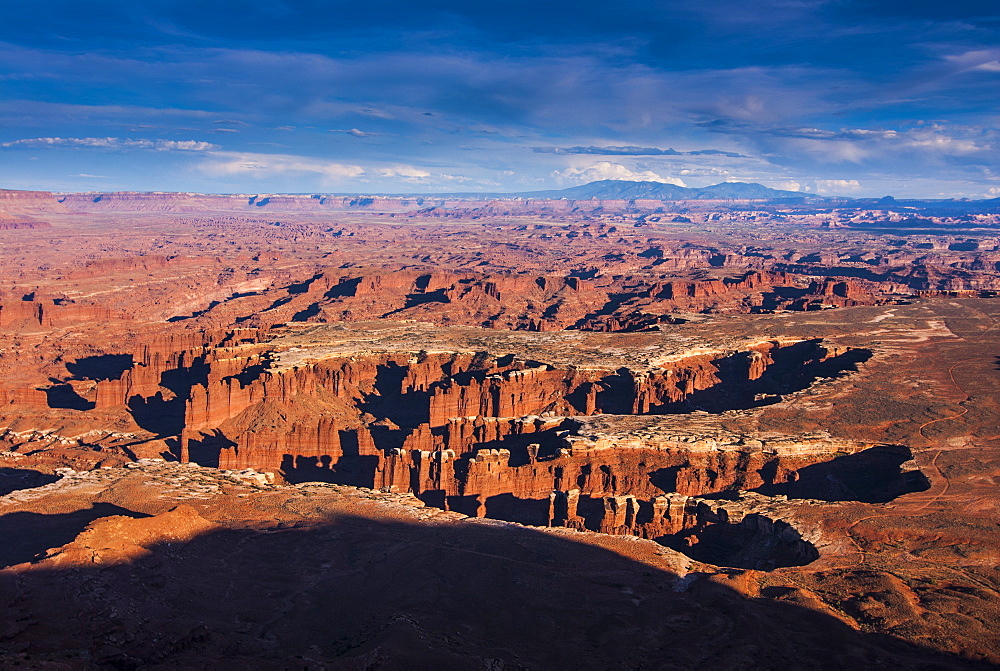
[310, 432]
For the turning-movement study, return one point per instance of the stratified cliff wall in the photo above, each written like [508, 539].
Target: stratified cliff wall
[464, 427]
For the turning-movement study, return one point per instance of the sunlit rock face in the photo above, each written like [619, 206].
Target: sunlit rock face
[782, 418]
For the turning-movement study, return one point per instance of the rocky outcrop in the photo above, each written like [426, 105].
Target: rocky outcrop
[487, 436]
[464, 429]
[120, 539]
[29, 202]
[535, 302]
[53, 313]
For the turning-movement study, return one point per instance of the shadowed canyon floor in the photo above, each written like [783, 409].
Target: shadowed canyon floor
[493, 440]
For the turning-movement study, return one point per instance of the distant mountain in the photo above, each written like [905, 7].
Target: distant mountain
[613, 189]
[745, 191]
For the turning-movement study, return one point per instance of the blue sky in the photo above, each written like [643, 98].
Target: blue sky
[847, 97]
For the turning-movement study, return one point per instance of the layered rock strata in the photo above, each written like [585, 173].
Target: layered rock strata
[485, 435]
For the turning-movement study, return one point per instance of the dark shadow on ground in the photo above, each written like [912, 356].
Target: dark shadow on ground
[196, 314]
[65, 397]
[406, 410]
[436, 296]
[872, 476]
[206, 450]
[780, 296]
[159, 415]
[350, 469]
[14, 479]
[796, 367]
[101, 367]
[27, 535]
[756, 543]
[665, 478]
[547, 440]
[372, 593]
[163, 414]
[306, 313]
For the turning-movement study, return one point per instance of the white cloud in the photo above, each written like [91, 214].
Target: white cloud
[826, 151]
[608, 170]
[945, 144]
[786, 186]
[707, 171]
[224, 164]
[355, 132]
[185, 145]
[836, 186]
[329, 173]
[983, 60]
[405, 171]
[376, 113]
[911, 148]
[113, 143]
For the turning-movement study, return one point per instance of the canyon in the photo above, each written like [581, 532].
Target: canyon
[504, 433]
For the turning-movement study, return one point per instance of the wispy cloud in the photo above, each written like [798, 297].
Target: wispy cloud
[404, 171]
[263, 166]
[355, 132]
[634, 151]
[330, 174]
[977, 60]
[836, 186]
[523, 94]
[908, 148]
[112, 143]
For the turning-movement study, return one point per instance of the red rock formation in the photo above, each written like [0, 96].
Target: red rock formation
[187, 304]
[315, 421]
[53, 314]
[29, 202]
